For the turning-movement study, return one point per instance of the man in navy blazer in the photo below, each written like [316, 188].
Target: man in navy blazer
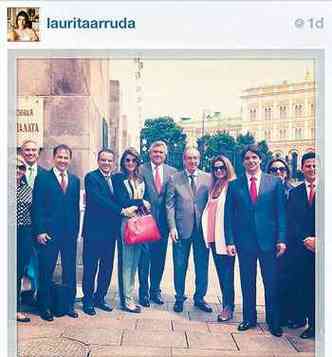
[302, 231]
[255, 229]
[55, 218]
[152, 262]
[100, 229]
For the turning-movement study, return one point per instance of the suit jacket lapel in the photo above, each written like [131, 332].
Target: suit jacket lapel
[245, 189]
[262, 186]
[56, 182]
[186, 183]
[103, 180]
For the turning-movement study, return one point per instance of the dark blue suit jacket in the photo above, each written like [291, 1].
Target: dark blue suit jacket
[102, 212]
[301, 217]
[262, 223]
[53, 211]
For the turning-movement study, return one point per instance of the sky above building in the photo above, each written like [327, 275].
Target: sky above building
[186, 88]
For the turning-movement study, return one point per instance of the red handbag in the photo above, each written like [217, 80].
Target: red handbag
[141, 229]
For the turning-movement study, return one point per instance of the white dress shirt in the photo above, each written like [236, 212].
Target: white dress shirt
[307, 186]
[258, 176]
[58, 175]
[161, 172]
[31, 174]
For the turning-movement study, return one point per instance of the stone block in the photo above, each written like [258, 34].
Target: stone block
[127, 351]
[95, 336]
[160, 339]
[154, 325]
[262, 343]
[69, 77]
[195, 352]
[209, 341]
[190, 326]
[302, 345]
[33, 77]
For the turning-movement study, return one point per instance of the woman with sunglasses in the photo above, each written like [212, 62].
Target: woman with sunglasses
[129, 190]
[24, 229]
[213, 232]
[278, 167]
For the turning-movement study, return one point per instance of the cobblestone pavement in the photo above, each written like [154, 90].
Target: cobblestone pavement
[158, 331]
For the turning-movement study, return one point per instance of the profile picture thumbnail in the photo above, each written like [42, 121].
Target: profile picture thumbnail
[23, 24]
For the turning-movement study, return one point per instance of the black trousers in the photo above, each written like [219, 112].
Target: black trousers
[305, 285]
[225, 271]
[23, 254]
[97, 254]
[48, 256]
[151, 267]
[248, 272]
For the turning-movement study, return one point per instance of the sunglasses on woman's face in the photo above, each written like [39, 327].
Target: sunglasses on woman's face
[21, 167]
[130, 160]
[219, 168]
[276, 169]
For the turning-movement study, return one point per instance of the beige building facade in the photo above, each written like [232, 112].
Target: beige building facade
[80, 106]
[283, 115]
[211, 123]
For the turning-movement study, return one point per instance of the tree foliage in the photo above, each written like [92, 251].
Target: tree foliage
[165, 129]
[223, 143]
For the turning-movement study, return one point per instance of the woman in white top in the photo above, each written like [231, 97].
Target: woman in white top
[213, 232]
[22, 32]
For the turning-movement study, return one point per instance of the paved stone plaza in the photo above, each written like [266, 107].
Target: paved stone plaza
[158, 331]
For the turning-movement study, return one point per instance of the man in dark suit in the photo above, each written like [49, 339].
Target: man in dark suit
[152, 262]
[186, 197]
[55, 218]
[30, 152]
[255, 228]
[302, 232]
[100, 229]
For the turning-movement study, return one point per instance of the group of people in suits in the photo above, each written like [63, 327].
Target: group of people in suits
[257, 216]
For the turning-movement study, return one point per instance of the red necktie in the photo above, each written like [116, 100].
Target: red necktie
[253, 189]
[63, 182]
[311, 193]
[157, 180]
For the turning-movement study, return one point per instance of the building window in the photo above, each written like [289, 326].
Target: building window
[268, 113]
[282, 133]
[105, 134]
[312, 109]
[283, 111]
[298, 110]
[252, 114]
[268, 134]
[298, 133]
[312, 133]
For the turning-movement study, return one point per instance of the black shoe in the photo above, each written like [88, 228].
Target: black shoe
[132, 308]
[144, 301]
[103, 306]
[296, 324]
[246, 325]
[46, 315]
[89, 309]
[72, 313]
[202, 305]
[178, 306]
[276, 331]
[157, 299]
[308, 333]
